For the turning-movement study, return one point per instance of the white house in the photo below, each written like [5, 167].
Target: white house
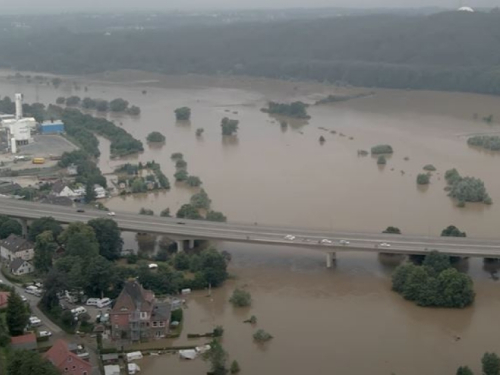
[100, 192]
[21, 267]
[16, 247]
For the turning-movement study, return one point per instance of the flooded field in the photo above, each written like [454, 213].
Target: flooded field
[345, 320]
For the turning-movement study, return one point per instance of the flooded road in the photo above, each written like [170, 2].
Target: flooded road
[345, 320]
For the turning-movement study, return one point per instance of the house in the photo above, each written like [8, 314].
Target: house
[138, 315]
[16, 247]
[66, 360]
[100, 192]
[20, 267]
[72, 170]
[4, 296]
[26, 342]
[112, 370]
[60, 201]
[60, 189]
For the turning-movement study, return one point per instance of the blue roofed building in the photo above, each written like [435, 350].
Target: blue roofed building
[52, 127]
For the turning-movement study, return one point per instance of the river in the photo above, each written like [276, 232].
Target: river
[344, 320]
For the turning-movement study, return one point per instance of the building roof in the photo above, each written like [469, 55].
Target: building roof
[161, 311]
[133, 297]
[16, 264]
[8, 188]
[27, 341]
[15, 243]
[61, 201]
[4, 296]
[59, 354]
[58, 186]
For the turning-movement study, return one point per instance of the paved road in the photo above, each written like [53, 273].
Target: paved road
[261, 234]
[33, 301]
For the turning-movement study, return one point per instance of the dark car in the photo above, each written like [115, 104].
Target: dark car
[181, 223]
[80, 210]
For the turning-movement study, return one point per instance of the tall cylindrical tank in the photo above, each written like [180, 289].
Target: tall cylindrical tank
[13, 146]
[19, 106]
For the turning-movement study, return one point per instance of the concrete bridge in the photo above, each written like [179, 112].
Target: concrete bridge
[330, 242]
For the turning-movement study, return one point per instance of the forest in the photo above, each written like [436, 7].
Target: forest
[457, 51]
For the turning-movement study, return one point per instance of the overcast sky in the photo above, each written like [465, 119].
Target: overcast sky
[65, 5]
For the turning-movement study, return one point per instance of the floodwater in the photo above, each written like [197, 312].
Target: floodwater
[345, 320]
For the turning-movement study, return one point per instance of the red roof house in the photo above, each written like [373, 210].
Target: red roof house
[67, 361]
[4, 296]
[27, 342]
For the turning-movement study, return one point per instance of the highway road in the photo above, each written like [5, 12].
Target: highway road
[181, 229]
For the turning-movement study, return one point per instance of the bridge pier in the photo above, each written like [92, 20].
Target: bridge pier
[330, 258]
[191, 244]
[180, 245]
[24, 225]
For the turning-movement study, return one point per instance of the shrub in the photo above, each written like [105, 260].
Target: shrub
[382, 149]
[146, 211]
[177, 315]
[381, 160]
[392, 230]
[193, 181]
[218, 331]
[241, 298]
[229, 127]
[322, 139]
[156, 137]
[181, 175]
[199, 132]
[176, 156]
[262, 336]
[183, 113]
[423, 179]
[491, 143]
[429, 168]
[235, 367]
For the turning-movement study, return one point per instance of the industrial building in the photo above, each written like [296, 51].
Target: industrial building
[52, 127]
[19, 128]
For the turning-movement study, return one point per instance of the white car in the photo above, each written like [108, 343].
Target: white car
[34, 321]
[289, 237]
[344, 242]
[111, 213]
[326, 241]
[23, 298]
[385, 244]
[1, 281]
[44, 334]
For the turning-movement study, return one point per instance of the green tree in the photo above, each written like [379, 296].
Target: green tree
[176, 156]
[423, 179]
[146, 211]
[381, 160]
[73, 101]
[102, 105]
[322, 139]
[45, 247]
[10, 226]
[181, 261]
[118, 105]
[416, 284]
[100, 274]
[429, 168]
[79, 239]
[452, 231]
[61, 100]
[38, 226]
[155, 137]
[165, 212]
[216, 216]
[188, 211]
[17, 315]
[201, 200]
[183, 113]
[199, 132]
[392, 230]
[382, 149]
[455, 289]
[108, 236]
[490, 364]
[241, 298]
[217, 357]
[181, 175]
[90, 194]
[235, 367]
[180, 164]
[464, 370]
[213, 266]
[229, 127]
[193, 181]
[262, 336]
[23, 362]
[134, 111]
[88, 103]
[400, 276]
[55, 282]
[437, 262]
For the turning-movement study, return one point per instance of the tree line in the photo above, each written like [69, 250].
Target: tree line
[118, 105]
[456, 51]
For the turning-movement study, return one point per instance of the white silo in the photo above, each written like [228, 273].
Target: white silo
[19, 106]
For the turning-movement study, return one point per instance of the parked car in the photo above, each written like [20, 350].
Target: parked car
[35, 321]
[289, 237]
[344, 242]
[78, 310]
[23, 298]
[92, 302]
[80, 210]
[111, 213]
[44, 334]
[104, 302]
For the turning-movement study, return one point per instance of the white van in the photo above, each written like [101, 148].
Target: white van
[79, 310]
[31, 289]
[92, 301]
[103, 303]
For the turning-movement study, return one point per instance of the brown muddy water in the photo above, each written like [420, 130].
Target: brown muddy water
[345, 320]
